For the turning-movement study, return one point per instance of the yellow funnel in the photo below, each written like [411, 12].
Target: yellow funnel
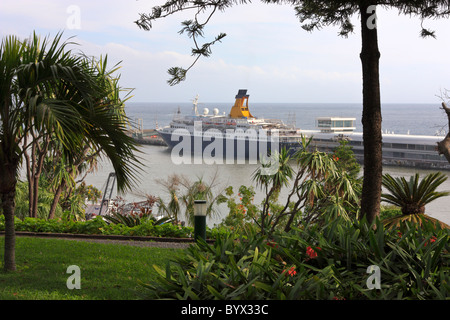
[239, 110]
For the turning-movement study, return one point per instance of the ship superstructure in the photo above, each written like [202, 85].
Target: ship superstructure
[237, 135]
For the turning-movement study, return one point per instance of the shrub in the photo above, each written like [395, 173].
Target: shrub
[412, 196]
[316, 262]
[99, 226]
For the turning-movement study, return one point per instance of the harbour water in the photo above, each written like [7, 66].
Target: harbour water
[424, 119]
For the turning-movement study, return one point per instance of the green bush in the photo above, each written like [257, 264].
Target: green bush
[99, 226]
[316, 262]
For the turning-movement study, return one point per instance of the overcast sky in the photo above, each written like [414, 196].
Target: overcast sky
[265, 51]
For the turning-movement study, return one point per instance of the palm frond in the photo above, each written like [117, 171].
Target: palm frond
[414, 193]
[47, 88]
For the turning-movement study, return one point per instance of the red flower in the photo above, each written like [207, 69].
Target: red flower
[311, 253]
[432, 239]
[272, 244]
[291, 272]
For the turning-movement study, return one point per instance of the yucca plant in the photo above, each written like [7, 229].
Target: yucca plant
[412, 195]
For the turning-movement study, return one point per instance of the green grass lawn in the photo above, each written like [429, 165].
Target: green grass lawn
[108, 271]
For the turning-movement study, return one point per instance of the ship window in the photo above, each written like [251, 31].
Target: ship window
[430, 148]
[431, 157]
[338, 123]
[415, 156]
[348, 123]
[399, 145]
[387, 145]
[324, 123]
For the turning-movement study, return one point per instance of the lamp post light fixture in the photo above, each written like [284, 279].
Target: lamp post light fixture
[200, 219]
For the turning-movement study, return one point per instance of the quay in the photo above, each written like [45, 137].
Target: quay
[149, 137]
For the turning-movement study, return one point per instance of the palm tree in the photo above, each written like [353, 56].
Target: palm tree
[201, 190]
[412, 196]
[183, 192]
[173, 207]
[86, 159]
[45, 88]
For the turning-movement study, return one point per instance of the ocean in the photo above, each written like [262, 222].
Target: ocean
[420, 119]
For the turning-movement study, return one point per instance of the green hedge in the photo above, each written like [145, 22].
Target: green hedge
[99, 226]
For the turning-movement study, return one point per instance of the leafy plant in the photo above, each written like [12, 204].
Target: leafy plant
[316, 186]
[242, 213]
[317, 262]
[412, 195]
[182, 194]
[345, 158]
[99, 226]
[45, 198]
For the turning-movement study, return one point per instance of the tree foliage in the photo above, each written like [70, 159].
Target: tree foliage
[48, 91]
[312, 14]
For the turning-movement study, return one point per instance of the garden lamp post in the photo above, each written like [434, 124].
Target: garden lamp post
[200, 219]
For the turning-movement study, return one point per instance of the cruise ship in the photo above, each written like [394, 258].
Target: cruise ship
[237, 135]
[405, 150]
[241, 136]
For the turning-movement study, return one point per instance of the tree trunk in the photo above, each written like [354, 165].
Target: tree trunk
[443, 147]
[34, 196]
[8, 206]
[56, 198]
[36, 171]
[371, 116]
[8, 183]
[29, 165]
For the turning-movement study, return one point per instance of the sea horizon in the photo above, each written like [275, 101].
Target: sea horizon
[401, 118]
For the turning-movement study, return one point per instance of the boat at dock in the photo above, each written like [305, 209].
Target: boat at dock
[237, 135]
[240, 135]
[404, 150]
[147, 136]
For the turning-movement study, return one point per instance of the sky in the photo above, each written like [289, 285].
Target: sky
[265, 51]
